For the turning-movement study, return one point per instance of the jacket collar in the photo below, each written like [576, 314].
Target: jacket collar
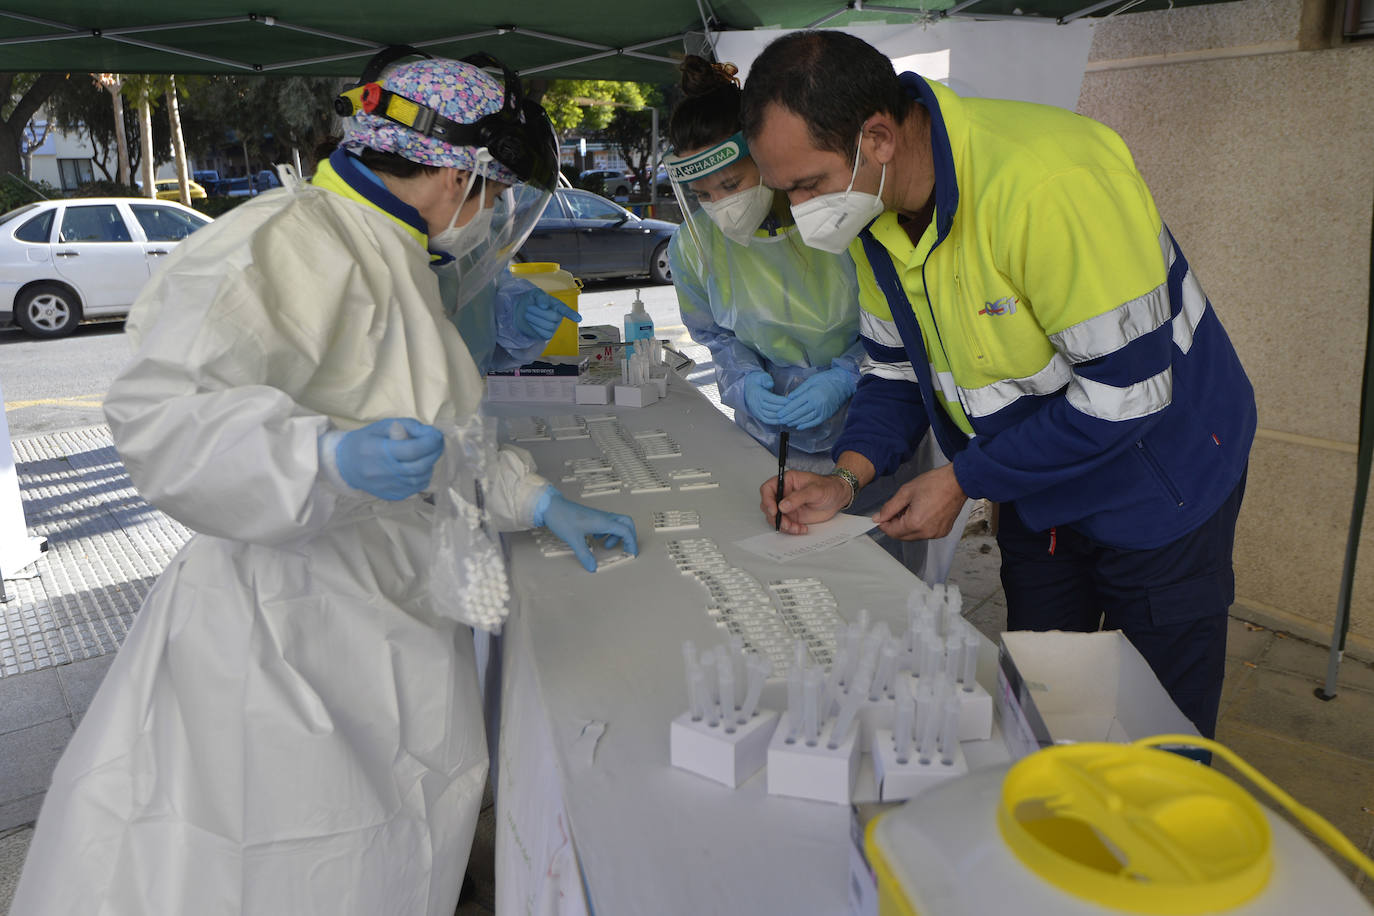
[929, 96]
[345, 175]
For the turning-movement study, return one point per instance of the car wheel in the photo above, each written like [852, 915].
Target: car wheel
[622, 191]
[660, 271]
[47, 310]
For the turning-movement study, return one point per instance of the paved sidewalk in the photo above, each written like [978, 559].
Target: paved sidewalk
[63, 623]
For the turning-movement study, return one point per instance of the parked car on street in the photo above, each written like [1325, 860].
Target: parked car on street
[611, 182]
[170, 189]
[664, 186]
[266, 180]
[239, 186]
[207, 179]
[592, 237]
[62, 261]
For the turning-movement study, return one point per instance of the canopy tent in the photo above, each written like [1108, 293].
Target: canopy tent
[611, 39]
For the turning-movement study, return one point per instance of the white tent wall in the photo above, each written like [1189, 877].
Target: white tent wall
[1257, 152]
[1030, 61]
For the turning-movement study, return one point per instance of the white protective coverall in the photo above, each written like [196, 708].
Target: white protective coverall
[289, 728]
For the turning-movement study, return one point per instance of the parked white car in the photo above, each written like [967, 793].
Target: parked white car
[62, 261]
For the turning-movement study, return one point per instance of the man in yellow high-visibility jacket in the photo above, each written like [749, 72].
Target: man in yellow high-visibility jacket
[1021, 297]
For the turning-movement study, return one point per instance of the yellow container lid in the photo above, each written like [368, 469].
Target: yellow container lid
[1135, 829]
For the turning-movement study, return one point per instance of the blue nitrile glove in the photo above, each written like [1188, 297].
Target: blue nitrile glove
[391, 459]
[538, 315]
[817, 398]
[574, 522]
[763, 404]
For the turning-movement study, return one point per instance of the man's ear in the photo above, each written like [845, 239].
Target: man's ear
[880, 137]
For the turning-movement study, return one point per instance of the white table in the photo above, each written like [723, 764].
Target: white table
[593, 675]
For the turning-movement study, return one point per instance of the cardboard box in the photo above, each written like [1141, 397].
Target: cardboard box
[1061, 688]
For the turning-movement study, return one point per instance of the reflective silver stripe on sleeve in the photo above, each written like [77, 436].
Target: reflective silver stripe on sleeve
[1194, 305]
[901, 372]
[881, 332]
[980, 402]
[1107, 402]
[1110, 331]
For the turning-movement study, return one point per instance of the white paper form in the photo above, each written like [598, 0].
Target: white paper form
[784, 548]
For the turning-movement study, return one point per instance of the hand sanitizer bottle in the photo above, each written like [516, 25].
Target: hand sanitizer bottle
[638, 324]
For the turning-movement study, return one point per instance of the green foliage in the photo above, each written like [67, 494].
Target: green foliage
[15, 192]
[107, 189]
[589, 105]
[79, 106]
[218, 206]
[266, 114]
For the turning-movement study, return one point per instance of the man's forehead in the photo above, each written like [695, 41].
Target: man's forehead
[785, 152]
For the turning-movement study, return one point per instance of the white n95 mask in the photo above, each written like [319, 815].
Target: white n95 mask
[740, 214]
[831, 221]
[459, 240]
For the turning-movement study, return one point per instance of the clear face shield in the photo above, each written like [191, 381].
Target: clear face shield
[528, 148]
[498, 229]
[720, 192]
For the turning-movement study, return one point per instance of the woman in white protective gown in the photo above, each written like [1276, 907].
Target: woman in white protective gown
[292, 727]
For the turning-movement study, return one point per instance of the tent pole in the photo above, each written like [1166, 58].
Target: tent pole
[1362, 467]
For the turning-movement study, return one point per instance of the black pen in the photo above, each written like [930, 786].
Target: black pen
[782, 469]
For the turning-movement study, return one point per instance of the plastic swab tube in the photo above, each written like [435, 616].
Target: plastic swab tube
[738, 657]
[970, 673]
[904, 725]
[794, 704]
[949, 730]
[811, 697]
[834, 681]
[853, 647]
[698, 693]
[799, 654]
[689, 659]
[931, 650]
[725, 667]
[887, 667]
[928, 731]
[758, 668]
[708, 662]
[849, 708]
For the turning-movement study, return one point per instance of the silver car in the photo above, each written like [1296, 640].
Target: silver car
[63, 261]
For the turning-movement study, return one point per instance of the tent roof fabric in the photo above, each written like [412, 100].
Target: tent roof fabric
[611, 39]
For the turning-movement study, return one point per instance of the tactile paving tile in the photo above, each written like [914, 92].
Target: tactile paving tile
[106, 547]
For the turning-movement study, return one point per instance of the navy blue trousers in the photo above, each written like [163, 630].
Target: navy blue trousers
[1170, 602]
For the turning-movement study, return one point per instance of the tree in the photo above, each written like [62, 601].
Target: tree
[143, 87]
[589, 105]
[34, 138]
[21, 95]
[81, 106]
[113, 83]
[270, 117]
[178, 141]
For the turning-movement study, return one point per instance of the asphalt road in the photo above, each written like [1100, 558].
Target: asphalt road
[50, 385]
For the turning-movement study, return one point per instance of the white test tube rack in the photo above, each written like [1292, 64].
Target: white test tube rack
[723, 735]
[813, 754]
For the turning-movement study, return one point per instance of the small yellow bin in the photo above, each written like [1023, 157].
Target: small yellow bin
[563, 286]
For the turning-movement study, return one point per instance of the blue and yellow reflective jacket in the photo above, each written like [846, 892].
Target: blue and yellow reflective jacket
[1061, 347]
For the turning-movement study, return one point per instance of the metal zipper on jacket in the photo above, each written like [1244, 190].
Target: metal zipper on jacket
[1159, 472]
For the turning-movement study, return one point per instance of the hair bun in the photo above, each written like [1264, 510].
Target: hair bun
[701, 76]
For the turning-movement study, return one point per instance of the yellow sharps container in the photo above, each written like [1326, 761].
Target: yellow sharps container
[1092, 829]
[563, 286]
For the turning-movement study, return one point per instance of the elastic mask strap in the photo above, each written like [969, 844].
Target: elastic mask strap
[479, 171]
